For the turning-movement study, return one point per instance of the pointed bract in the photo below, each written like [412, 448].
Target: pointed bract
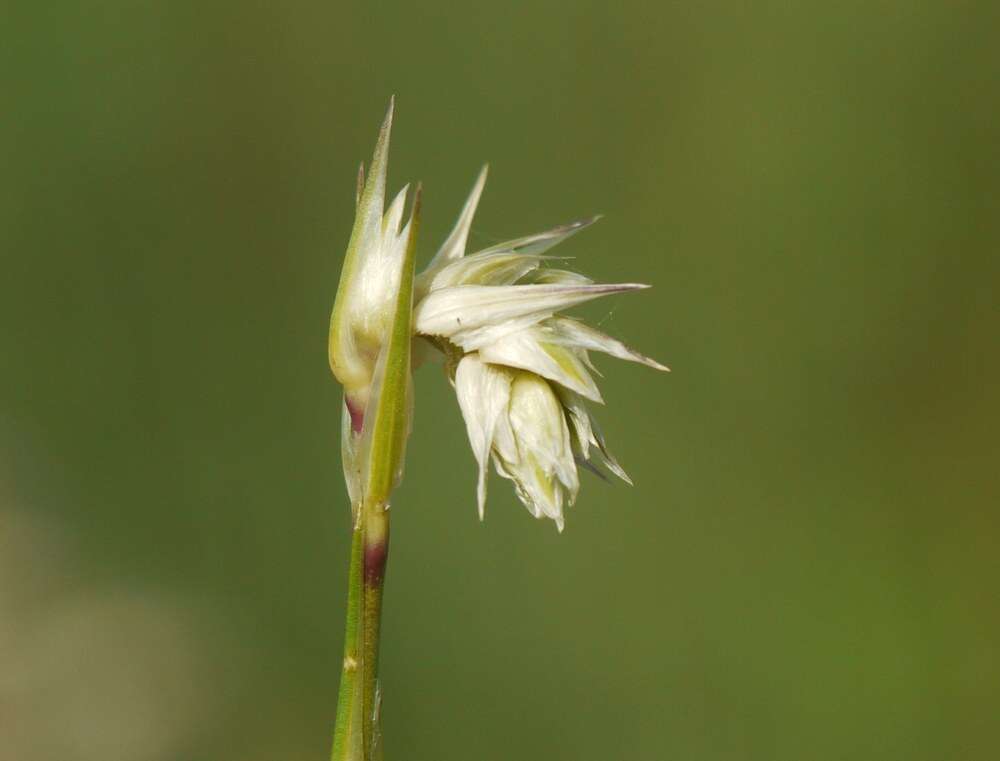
[571, 332]
[369, 279]
[454, 246]
[484, 269]
[483, 395]
[371, 331]
[451, 311]
[389, 415]
[543, 241]
[528, 349]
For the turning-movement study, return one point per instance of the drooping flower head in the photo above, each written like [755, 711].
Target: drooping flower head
[521, 370]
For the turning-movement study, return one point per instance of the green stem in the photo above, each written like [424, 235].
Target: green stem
[357, 734]
[376, 529]
[348, 731]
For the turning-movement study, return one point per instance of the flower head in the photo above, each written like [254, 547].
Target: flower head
[521, 370]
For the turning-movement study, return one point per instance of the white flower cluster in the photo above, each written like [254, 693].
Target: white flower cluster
[521, 370]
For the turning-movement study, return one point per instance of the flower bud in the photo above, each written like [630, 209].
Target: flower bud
[371, 333]
[364, 308]
[533, 448]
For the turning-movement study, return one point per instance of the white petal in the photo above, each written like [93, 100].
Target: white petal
[483, 269]
[537, 419]
[454, 247]
[378, 274]
[575, 333]
[543, 241]
[527, 349]
[579, 419]
[483, 394]
[477, 338]
[544, 275]
[467, 307]
[505, 447]
[394, 215]
[589, 433]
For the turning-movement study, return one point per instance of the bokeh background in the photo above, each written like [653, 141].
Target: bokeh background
[807, 566]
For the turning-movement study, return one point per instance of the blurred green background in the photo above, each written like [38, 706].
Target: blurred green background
[807, 566]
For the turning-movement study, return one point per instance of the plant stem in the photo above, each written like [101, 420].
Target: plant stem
[376, 553]
[357, 734]
[347, 733]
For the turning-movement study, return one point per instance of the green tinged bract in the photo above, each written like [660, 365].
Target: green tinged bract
[370, 332]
